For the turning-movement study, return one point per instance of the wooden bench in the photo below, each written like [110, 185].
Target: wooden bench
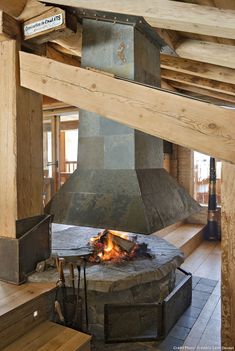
[49, 336]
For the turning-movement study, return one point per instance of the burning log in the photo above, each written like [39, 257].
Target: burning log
[116, 246]
[125, 244]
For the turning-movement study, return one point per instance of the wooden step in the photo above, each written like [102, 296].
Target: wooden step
[22, 308]
[187, 237]
[163, 232]
[49, 336]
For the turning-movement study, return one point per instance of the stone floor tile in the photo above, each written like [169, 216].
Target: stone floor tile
[200, 295]
[217, 290]
[170, 343]
[209, 282]
[179, 332]
[193, 312]
[195, 280]
[198, 303]
[204, 288]
[186, 321]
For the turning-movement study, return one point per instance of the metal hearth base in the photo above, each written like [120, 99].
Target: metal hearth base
[147, 321]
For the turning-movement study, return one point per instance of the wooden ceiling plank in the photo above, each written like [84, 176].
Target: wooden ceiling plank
[191, 123]
[198, 81]
[216, 54]
[167, 14]
[165, 85]
[198, 69]
[200, 91]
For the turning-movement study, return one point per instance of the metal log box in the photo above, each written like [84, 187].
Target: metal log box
[19, 256]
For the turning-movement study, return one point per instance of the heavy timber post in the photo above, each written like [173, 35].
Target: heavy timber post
[21, 170]
[228, 255]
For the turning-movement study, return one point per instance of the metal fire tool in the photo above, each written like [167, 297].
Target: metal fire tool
[85, 291]
[59, 312]
[82, 253]
[62, 285]
[72, 278]
[77, 322]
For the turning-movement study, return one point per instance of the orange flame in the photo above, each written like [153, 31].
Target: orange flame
[110, 251]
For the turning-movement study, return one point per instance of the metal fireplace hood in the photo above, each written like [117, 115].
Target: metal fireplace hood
[141, 201]
[120, 182]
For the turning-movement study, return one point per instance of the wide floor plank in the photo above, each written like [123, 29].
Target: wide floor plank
[205, 261]
[13, 296]
[49, 336]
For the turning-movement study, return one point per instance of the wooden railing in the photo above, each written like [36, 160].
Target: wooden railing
[70, 166]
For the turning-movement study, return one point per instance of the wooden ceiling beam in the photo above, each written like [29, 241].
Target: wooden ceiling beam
[199, 82]
[167, 14]
[32, 9]
[50, 25]
[12, 7]
[198, 69]
[9, 27]
[216, 54]
[69, 40]
[194, 124]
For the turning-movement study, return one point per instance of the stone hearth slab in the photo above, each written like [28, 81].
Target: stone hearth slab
[109, 276]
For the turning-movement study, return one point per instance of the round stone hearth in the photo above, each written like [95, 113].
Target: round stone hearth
[126, 283]
[116, 276]
[138, 281]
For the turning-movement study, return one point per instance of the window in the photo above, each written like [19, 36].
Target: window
[201, 178]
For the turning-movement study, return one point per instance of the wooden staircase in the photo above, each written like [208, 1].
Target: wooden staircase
[186, 236]
[24, 324]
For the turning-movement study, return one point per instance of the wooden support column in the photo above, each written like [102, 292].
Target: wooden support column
[185, 168]
[21, 144]
[228, 255]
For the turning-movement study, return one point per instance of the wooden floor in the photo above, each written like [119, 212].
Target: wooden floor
[50, 336]
[205, 261]
[13, 296]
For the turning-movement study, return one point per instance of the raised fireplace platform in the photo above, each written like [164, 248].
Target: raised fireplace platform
[108, 277]
[142, 284]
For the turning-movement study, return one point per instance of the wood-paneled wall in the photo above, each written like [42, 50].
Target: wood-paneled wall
[228, 255]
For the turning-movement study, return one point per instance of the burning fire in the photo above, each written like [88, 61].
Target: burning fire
[110, 245]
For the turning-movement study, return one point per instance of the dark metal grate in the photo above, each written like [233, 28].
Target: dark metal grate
[130, 323]
[147, 321]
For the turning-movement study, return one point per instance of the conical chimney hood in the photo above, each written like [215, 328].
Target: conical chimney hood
[120, 182]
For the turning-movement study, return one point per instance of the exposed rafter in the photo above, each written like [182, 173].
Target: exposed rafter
[203, 92]
[217, 54]
[167, 14]
[198, 81]
[198, 69]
